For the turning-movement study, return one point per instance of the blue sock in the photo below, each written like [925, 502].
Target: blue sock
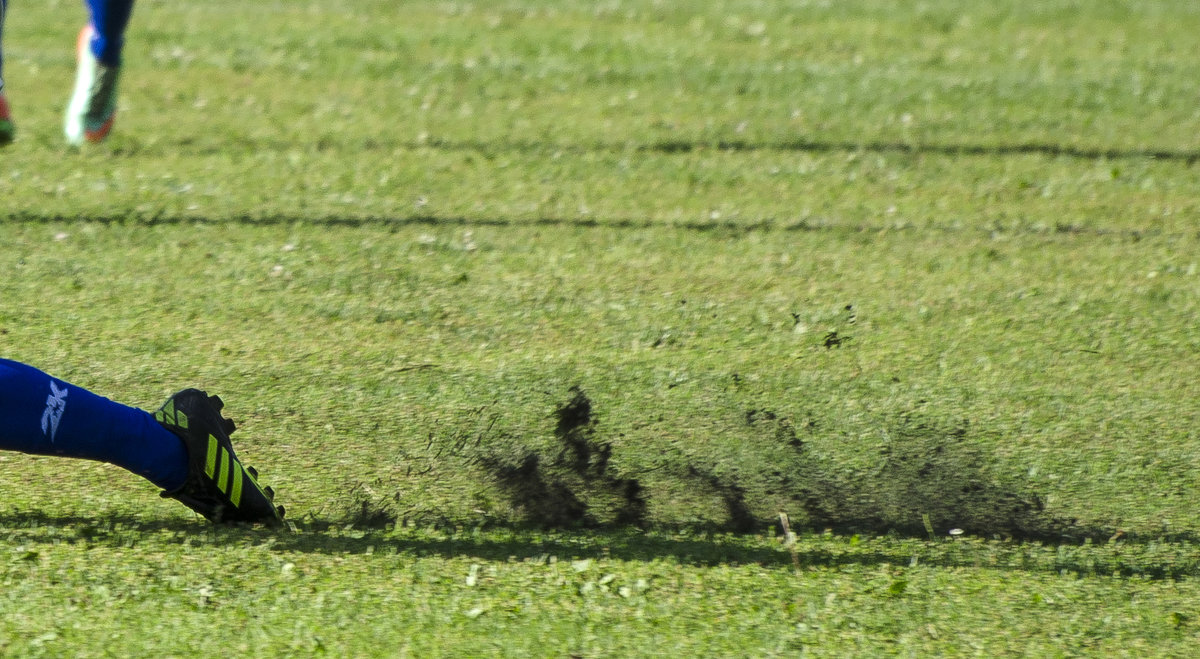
[45, 416]
[109, 20]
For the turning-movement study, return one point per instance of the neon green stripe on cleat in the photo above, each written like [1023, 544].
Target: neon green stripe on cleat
[210, 461]
[171, 416]
[236, 495]
[223, 472]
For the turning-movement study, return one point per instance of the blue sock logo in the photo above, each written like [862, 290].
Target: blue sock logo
[56, 404]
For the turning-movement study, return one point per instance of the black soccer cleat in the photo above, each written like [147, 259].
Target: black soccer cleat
[217, 486]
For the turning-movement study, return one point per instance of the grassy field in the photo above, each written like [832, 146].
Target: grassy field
[538, 314]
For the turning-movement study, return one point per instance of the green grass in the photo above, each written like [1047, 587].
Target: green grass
[891, 270]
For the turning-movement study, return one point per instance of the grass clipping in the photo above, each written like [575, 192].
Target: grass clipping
[574, 486]
[930, 478]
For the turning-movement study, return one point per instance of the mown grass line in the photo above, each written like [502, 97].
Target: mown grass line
[538, 315]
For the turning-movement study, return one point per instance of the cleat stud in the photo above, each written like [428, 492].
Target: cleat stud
[228, 426]
[280, 510]
[253, 472]
[216, 402]
[270, 492]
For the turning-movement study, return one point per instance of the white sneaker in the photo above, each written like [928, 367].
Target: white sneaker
[93, 106]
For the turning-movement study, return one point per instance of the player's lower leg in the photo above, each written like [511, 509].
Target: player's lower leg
[7, 129]
[47, 416]
[93, 106]
[183, 448]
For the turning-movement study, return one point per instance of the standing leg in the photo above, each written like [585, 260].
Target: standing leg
[3, 12]
[109, 18]
[6, 125]
[93, 106]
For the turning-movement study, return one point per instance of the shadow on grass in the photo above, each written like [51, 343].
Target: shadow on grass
[496, 542]
[946, 149]
[1134, 556]
[673, 146]
[664, 147]
[734, 228]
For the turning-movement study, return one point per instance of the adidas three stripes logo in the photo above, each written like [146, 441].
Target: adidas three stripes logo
[226, 472]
